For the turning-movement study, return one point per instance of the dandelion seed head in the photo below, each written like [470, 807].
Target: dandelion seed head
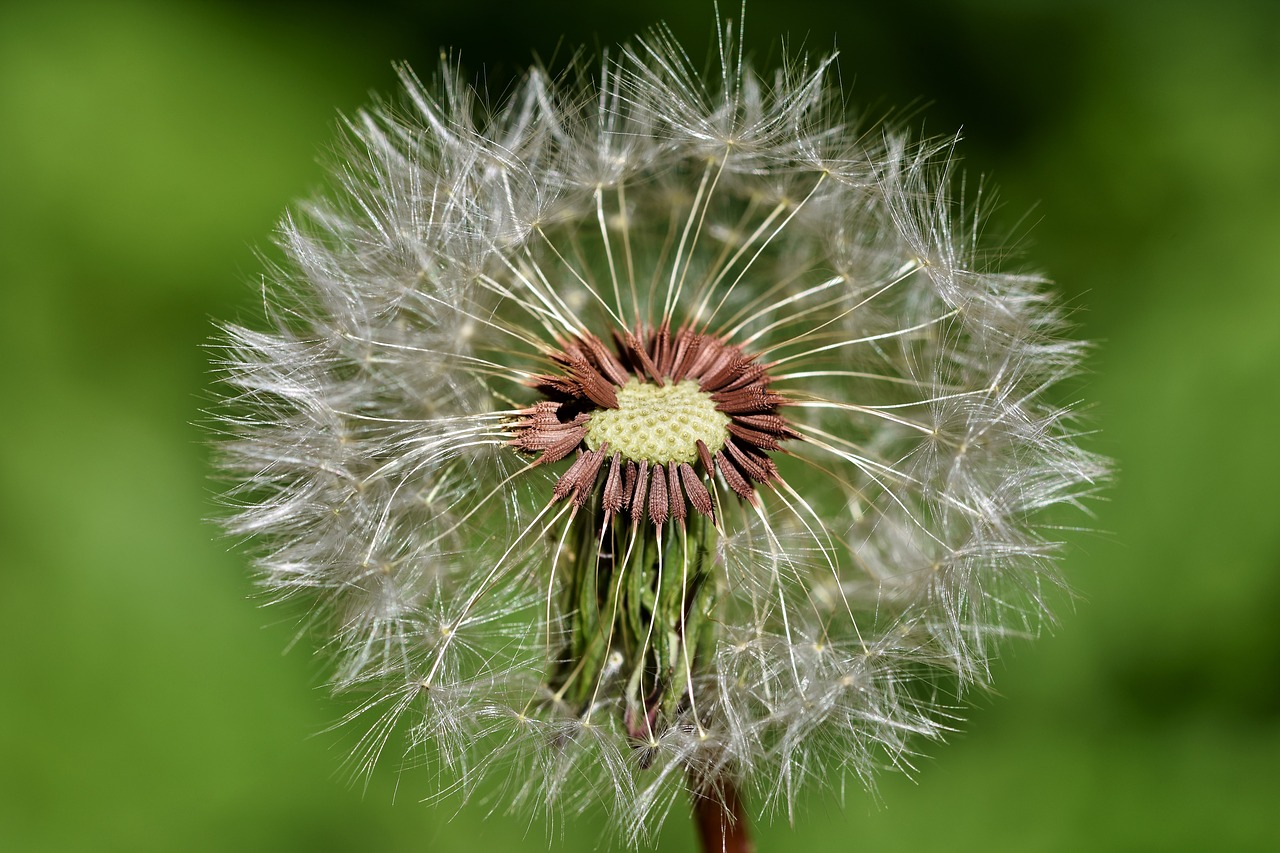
[647, 433]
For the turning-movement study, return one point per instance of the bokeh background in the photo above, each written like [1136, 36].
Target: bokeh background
[146, 150]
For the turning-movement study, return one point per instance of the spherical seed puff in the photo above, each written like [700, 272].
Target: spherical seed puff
[411, 446]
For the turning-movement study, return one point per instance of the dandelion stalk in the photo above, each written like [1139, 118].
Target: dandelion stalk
[646, 437]
[721, 821]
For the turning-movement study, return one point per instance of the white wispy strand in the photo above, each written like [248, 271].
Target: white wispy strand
[367, 432]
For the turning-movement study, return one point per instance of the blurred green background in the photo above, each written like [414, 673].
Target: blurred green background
[147, 148]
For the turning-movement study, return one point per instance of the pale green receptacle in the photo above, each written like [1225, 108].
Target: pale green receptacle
[659, 423]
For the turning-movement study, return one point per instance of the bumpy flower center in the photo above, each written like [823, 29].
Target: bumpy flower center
[653, 422]
[659, 423]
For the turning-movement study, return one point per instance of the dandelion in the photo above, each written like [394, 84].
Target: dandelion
[650, 435]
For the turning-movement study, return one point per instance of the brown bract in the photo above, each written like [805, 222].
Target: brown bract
[589, 376]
